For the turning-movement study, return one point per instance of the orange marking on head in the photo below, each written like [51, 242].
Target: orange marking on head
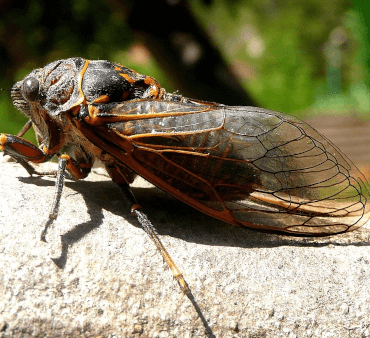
[54, 81]
[65, 157]
[67, 94]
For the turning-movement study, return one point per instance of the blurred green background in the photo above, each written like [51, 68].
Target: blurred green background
[299, 57]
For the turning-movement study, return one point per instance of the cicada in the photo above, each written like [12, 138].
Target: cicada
[247, 166]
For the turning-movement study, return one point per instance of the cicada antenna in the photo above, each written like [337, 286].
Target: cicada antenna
[6, 89]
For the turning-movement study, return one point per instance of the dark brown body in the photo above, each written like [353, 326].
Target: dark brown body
[246, 166]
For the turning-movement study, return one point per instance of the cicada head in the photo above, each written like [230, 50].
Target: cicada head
[53, 89]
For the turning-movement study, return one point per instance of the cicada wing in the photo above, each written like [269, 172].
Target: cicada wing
[244, 165]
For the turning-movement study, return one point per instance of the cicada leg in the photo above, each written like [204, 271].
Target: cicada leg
[77, 171]
[119, 176]
[149, 229]
[31, 170]
[59, 184]
[23, 152]
[25, 128]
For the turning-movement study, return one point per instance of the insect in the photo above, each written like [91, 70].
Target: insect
[247, 166]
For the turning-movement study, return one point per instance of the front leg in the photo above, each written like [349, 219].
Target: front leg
[23, 152]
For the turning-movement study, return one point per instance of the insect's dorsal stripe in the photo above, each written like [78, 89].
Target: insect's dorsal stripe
[81, 97]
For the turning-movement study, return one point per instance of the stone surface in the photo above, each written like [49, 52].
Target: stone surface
[100, 276]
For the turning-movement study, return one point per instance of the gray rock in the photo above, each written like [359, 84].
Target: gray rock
[99, 275]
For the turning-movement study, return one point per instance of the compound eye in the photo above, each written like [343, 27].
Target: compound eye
[30, 88]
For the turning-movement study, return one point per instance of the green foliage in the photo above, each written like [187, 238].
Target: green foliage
[294, 56]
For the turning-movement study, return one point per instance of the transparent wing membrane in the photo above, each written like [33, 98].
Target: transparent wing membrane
[249, 166]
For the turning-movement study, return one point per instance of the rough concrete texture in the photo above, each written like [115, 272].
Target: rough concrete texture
[100, 275]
